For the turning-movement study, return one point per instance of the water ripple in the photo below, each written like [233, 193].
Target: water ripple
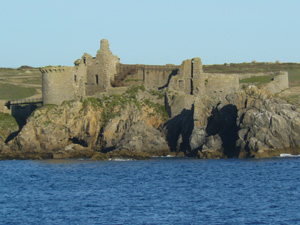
[158, 191]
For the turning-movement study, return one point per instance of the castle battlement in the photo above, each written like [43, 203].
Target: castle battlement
[51, 69]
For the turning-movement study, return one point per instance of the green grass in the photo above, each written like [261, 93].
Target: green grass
[250, 67]
[8, 124]
[17, 81]
[158, 108]
[32, 81]
[14, 77]
[13, 92]
[7, 121]
[257, 80]
[291, 99]
[112, 105]
[294, 78]
[10, 73]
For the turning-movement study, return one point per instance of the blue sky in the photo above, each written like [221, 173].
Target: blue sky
[57, 32]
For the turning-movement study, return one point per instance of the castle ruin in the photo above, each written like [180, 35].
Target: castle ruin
[93, 75]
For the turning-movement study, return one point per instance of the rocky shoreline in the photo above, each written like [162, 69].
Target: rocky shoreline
[248, 124]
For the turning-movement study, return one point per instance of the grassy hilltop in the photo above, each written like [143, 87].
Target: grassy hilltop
[20, 83]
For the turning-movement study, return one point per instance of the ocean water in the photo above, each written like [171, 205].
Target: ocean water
[157, 191]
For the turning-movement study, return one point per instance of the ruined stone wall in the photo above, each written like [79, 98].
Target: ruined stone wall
[79, 74]
[219, 85]
[91, 76]
[158, 77]
[58, 84]
[248, 75]
[189, 79]
[279, 83]
[101, 70]
[128, 75]
[151, 76]
[182, 81]
[198, 87]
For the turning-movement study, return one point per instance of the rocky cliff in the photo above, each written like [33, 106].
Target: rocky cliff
[248, 123]
[111, 124]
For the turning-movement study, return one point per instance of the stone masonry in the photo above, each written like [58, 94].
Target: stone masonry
[93, 75]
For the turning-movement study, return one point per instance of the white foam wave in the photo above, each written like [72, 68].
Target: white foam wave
[119, 159]
[167, 156]
[288, 155]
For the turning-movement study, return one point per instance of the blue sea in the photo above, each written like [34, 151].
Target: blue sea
[156, 191]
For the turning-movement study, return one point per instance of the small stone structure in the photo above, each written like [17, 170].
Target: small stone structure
[93, 75]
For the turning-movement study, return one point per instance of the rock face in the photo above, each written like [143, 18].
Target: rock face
[95, 125]
[267, 127]
[246, 124]
[214, 129]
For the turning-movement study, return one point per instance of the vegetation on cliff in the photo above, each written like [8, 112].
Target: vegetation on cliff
[107, 127]
[8, 125]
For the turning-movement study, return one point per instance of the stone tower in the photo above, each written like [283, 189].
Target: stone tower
[101, 70]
